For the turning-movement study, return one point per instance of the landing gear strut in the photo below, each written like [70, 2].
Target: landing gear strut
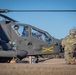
[33, 59]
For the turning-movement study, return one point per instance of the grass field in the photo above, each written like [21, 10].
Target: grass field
[49, 67]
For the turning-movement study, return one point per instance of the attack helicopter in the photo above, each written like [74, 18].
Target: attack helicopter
[20, 40]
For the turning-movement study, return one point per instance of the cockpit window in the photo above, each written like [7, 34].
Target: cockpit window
[41, 35]
[21, 30]
[24, 33]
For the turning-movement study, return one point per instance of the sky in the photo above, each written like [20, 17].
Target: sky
[57, 24]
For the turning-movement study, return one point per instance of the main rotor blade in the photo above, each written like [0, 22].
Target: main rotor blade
[43, 10]
[6, 10]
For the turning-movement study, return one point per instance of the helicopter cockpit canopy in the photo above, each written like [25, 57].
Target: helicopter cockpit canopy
[21, 29]
[42, 35]
[25, 30]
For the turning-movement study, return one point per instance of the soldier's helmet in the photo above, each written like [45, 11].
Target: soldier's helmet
[72, 32]
[16, 27]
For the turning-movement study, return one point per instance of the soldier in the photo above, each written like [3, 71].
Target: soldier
[68, 44]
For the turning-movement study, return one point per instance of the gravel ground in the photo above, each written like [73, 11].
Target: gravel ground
[48, 67]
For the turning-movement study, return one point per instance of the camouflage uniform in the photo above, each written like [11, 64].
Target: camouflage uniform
[68, 44]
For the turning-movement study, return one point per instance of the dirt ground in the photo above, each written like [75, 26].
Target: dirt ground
[48, 67]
